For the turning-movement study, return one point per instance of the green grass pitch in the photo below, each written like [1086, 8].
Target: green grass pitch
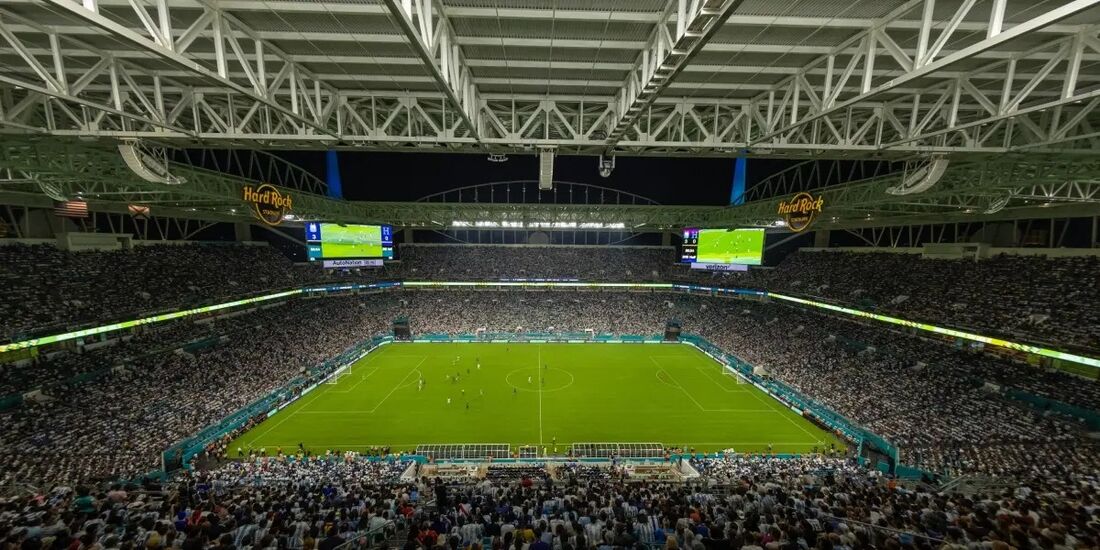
[743, 246]
[351, 250]
[532, 394]
[353, 241]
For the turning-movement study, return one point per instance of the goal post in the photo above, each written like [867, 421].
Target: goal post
[337, 376]
[736, 376]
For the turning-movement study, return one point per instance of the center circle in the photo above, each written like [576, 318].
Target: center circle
[556, 379]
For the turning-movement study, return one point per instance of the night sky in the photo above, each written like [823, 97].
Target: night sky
[409, 176]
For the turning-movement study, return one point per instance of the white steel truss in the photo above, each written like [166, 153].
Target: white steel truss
[434, 40]
[880, 79]
[676, 39]
[952, 112]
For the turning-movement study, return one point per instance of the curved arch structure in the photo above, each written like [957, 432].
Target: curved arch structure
[527, 192]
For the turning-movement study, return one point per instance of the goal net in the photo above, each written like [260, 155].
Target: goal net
[737, 377]
[337, 376]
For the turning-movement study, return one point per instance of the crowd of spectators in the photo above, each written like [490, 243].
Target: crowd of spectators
[491, 263]
[506, 472]
[49, 289]
[1036, 298]
[741, 502]
[929, 398]
[115, 426]
[62, 366]
[576, 472]
[304, 470]
[1032, 298]
[940, 404]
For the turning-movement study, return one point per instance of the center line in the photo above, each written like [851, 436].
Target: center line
[539, 367]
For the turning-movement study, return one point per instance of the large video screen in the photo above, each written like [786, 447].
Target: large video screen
[332, 241]
[723, 246]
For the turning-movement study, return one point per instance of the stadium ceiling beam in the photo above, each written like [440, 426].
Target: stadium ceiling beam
[48, 97]
[926, 61]
[961, 215]
[979, 191]
[1015, 115]
[118, 205]
[551, 14]
[927, 95]
[433, 39]
[992, 106]
[349, 78]
[306, 112]
[556, 43]
[666, 53]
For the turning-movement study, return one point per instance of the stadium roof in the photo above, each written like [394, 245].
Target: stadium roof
[847, 78]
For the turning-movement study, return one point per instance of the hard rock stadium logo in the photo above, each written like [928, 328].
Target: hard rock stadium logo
[801, 210]
[268, 204]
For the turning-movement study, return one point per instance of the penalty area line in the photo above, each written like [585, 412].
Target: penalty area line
[399, 384]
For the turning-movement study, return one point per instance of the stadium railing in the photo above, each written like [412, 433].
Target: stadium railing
[370, 538]
[1092, 418]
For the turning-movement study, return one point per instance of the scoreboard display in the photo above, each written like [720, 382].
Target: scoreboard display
[723, 246]
[349, 245]
[689, 250]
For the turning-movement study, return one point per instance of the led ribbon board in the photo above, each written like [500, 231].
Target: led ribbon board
[536, 284]
[1093, 362]
[33, 342]
[947, 331]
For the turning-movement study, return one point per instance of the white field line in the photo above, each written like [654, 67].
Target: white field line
[399, 384]
[678, 385]
[539, 369]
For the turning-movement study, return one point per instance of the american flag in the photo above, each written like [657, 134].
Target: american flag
[71, 209]
[139, 211]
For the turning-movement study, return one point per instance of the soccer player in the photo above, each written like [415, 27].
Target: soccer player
[482, 391]
[528, 379]
[463, 392]
[515, 391]
[448, 401]
[467, 406]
